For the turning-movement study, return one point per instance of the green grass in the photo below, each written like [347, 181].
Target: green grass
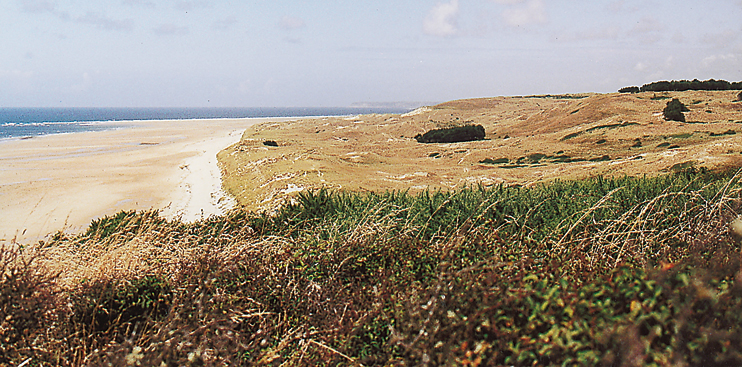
[595, 271]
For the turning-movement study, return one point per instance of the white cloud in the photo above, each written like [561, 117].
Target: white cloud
[640, 66]
[143, 3]
[720, 39]
[225, 23]
[189, 5]
[38, 6]
[84, 85]
[91, 18]
[532, 12]
[294, 40]
[648, 30]
[289, 23]
[621, 6]
[441, 20]
[104, 22]
[716, 60]
[43, 6]
[679, 37]
[595, 34]
[170, 29]
[16, 74]
[669, 62]
[647, 25]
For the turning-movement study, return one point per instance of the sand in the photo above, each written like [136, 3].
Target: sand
[63, 182]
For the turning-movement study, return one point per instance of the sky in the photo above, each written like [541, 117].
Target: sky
[333, 53]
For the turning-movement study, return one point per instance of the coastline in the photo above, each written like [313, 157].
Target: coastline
[62, 182]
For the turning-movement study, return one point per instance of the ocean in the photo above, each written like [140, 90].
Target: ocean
[29, 122]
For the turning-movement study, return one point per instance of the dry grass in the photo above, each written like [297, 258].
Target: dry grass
[391, 279]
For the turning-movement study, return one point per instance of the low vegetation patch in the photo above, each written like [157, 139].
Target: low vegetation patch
[495, 161]
[728, 132]
[540, 159]
[611, 271]
[596, 128]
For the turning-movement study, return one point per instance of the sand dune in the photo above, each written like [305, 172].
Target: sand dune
[529, 140]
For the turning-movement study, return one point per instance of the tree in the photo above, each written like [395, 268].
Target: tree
[674, 110]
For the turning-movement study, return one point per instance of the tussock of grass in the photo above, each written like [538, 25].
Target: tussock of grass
[635, 271]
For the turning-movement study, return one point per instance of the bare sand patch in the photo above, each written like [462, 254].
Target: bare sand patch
[62, 182]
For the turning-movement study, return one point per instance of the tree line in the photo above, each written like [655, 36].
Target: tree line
[683, 85]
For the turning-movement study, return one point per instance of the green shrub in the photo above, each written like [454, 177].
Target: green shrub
[632, 89]
[123, 223]
[452, 135]
[674, 110]
[112, 306]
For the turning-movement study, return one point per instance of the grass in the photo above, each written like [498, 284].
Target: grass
[634, 271]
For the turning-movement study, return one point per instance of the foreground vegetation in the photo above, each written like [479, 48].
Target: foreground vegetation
[611, 271]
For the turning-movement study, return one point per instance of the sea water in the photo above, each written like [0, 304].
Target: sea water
[30, 122]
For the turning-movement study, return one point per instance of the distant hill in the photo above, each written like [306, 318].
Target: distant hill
[402, 104]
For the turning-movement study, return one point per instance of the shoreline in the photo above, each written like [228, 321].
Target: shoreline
[61, 182]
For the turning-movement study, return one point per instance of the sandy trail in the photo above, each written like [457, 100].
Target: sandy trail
[62, 182]
[199, 193]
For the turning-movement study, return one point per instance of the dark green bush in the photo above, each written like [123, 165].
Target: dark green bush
[452, 135]
[632, 89]
[695, 84]
[674, 110]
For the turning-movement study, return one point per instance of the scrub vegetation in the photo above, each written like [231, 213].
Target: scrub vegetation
[674, 110]
[597, 271]
[454, 134]
[683, 85]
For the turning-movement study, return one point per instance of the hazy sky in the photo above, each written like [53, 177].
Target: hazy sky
[336, 52]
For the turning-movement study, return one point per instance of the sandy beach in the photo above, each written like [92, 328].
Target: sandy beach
[62, 182]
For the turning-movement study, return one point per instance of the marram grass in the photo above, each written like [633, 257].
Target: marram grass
[620, 271]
